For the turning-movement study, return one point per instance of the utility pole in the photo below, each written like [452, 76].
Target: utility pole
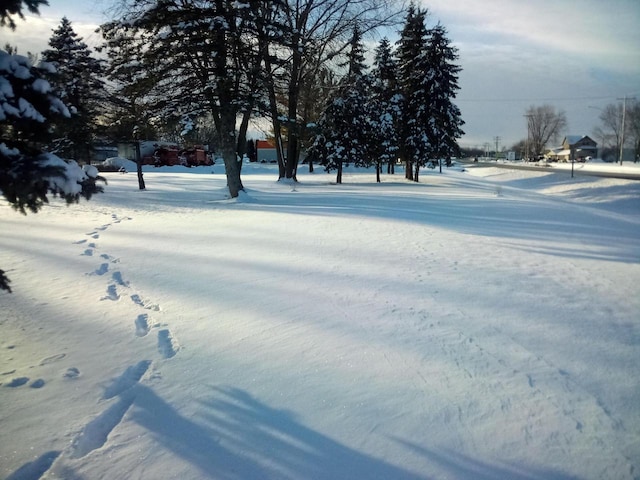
[624, 111]
[497, 140]
[526, 145]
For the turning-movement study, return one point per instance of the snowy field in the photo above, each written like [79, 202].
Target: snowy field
[482, 324]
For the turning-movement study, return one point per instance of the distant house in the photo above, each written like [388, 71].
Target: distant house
[266, 151]
[574, 148]
[102, 152]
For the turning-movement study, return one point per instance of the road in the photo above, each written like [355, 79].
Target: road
[578, 170]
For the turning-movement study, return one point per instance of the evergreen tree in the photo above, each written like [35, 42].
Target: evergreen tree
[27, 106]
[8, 8]
[297, 40]
[129, 85]
[197, 53]
[318, 88]
[385, 108]
[344, 128]
[415, 70]
[128, 115]
[78, 80]
[443, 87]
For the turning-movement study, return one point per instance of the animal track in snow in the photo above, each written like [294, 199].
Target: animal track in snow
[102, 269]
[72, 372]
[167, 345]
[117, 278]
[52, 358]
[128, 379]
[110, 258]
[112, 293]
[17, 382]
[135, 298]
[142, 325]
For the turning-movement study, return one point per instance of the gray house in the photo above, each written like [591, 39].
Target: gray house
[574, 148]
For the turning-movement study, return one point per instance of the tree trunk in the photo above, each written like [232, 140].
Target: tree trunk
[391, 167]
[378, 168]
[232, 167]
[227, 143]
[141, 184]
[339, 174]
[408, 170]
[417, 173]
[241, 148]
[292, 117]
[273, 107]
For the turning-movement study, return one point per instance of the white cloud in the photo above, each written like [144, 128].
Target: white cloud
[571, 54]
[33, 33]
[602, 32]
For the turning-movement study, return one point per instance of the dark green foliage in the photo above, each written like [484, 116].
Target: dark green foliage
[428, 83]
[9, 8]
[194, 55]
[385, 106]
[443, 87]
[28, 104]
[344, 129]
[404, 108]
[27, 175]
[129, 115]
[414, 72]
[78, 81]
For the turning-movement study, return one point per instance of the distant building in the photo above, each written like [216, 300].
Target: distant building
[128, 149]
[266, 151]
[574, 148]
[102, 152]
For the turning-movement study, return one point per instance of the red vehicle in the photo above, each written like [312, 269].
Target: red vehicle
[172, 155]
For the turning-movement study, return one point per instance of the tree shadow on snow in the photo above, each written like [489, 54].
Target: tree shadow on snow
[240, 437]
[36, 468]
[458, 465]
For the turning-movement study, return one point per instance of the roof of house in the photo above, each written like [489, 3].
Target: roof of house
[265, 143]
[573, 139]
[560, 152]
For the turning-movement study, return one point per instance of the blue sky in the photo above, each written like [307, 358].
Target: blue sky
[572, 54]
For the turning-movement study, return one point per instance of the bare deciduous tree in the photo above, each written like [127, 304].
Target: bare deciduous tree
[633, 116]
[544, 124]
[302, 39]
[611, 129]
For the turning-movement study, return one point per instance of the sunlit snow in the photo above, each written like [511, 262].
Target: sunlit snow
[482, 324]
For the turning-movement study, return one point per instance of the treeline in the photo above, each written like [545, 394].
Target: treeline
[200, 70]
[197, 63]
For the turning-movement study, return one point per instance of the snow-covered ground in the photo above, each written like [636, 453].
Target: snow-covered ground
[482, 324]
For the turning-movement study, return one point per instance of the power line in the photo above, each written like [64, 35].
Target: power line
[548, 99]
